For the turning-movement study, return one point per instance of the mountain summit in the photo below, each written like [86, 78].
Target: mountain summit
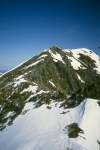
[57, 92]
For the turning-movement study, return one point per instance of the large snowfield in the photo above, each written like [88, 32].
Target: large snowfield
[45, 129]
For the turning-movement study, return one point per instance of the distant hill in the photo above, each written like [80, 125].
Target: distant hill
[0, 73]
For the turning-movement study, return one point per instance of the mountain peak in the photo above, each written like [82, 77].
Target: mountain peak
[55, 47]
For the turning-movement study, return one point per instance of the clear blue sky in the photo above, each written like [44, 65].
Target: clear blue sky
[28, 26]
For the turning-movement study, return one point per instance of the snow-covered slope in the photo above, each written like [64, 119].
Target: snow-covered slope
[45, 129]
[90, 124]
[83, 51]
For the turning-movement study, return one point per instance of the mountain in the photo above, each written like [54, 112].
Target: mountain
[52, 102]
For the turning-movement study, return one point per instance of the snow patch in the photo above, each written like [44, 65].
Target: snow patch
[91, 54]
[80, 78]
[37, 93]
[56, 57]
[75, 63]
[52, 83]
[43, 56]
[35, 63]
[11, 113]
[20, 79]
[31, 88]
